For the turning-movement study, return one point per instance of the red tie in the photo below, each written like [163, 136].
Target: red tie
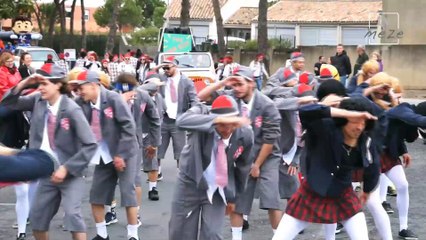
[96, 124]
[221, 165]
[51, 125]
[172, 90]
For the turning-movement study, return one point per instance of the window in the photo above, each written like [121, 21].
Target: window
[86, 15]
[312, 36]
[354, 36]
[68, 13]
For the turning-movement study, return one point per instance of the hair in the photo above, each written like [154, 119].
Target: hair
[370, 65]
[319, 58]
[105, 80]
[379, 57]
[259, 55]
[340, 45]
[127, 78]
[22, 57]
[22, 19]
[64, 89]
[331, 87]
[384, 78]
[359, 104]
[4, 57]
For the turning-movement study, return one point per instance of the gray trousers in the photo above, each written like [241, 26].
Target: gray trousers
[169, 130]
[267, 184]
[149, 164]
[48, 198]
[191, 209]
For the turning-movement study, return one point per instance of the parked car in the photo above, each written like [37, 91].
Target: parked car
[38, 54]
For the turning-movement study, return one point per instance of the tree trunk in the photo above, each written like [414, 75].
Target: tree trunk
[39, 21]
[52, 21]
[262, 34]
[113, 26]
[60, 8]
[220, 29]
[72, 17]
[83, 27]
[184, 13]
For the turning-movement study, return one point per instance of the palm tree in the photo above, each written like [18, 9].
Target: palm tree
[262, 34]
[113, 26]
[184, 13]
[83, 26]
[72, 17]
[220, 29]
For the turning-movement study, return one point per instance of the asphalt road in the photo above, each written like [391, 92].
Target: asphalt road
[155, 215]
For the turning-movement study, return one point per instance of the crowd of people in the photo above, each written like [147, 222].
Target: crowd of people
[305, 137]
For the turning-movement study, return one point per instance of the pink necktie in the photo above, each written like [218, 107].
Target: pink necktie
[96, 124]
[300, 143]
[221, 165]
[172, 90]
[51, 125]
[244, 111]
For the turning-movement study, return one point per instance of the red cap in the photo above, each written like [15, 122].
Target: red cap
[61, 56]
[325, 72]
[225, 105]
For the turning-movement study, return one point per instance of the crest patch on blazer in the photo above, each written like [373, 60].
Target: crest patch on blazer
[143, 106]
[65, 123]
[258, 121]
[238, 152]
[109, 113]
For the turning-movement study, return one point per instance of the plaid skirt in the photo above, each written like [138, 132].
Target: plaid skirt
[306, 205]
[358, 175]
[387, 163]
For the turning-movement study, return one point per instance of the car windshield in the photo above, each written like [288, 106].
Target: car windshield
[41, 55]
[191, 60]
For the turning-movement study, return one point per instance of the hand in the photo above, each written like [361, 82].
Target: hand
[127, 96]
[119, 164]
[150, 151]
[59, 175]
[406, 158]
[292, 170]
[307, 99]
[332, 100]
[255, 171]
[364, 197]
[238, 121]
[383, 86]
[230, 208]
[33, 79]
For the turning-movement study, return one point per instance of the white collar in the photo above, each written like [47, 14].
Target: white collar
[97, 105]
[55, 107]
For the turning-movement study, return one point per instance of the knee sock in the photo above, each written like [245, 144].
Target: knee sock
[397, 176]
[22, 207]
[132, 231]
[159, 169]
[237, 233]
[101, 229]
[152, 185]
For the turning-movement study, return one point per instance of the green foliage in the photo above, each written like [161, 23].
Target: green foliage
[147, 36]
[280, 44]
[157, 17]
[251, 45]
[130, 14]
[46, 11]
[11, 9]
[235, 44]
[153, 12]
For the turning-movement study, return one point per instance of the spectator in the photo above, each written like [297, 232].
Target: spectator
[317, 66]
[62, 63]
[9, 74]
[25, 68]
[92, 62]
[362, 58]
[258, 66]
[49, 59]
[376, 56]
[342, 62]
[104, 68]
[113, 68]
[142, 68]
[82, 59]
[127, 66]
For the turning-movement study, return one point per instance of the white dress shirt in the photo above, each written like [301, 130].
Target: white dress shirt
[210, 172]
[45, 145]
[172, 107]
[102, 152]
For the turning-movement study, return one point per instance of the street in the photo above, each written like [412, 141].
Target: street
[155, 215]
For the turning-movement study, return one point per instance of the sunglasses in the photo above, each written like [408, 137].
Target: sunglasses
[166, 68]
[127, 59]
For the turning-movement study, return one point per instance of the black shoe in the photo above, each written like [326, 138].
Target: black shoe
[21, 236]
[392, 192]
[160, 176]
[407, 235]
[339, 228]
[153, 194]
[388, 208]
[246, 224]
[302, 232]
[100, 238]
[111, 218]
[132, 238]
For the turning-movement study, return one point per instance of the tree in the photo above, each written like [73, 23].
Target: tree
[262, 34]
[220, 29]
[60, 8]
[113, 26]
[72, 17]
[157, 18]
[83, 26]
[152, 9]
[129, 14]
[11, 9]
[184, 13]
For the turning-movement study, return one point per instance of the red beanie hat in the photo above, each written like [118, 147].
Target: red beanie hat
[225, 106]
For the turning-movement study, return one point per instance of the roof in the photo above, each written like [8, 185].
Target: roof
[243, 16]
[322, 12]
[200, 9]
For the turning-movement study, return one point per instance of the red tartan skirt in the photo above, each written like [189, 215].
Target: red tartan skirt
[306, 205]
[358, 175]
[387, 163]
